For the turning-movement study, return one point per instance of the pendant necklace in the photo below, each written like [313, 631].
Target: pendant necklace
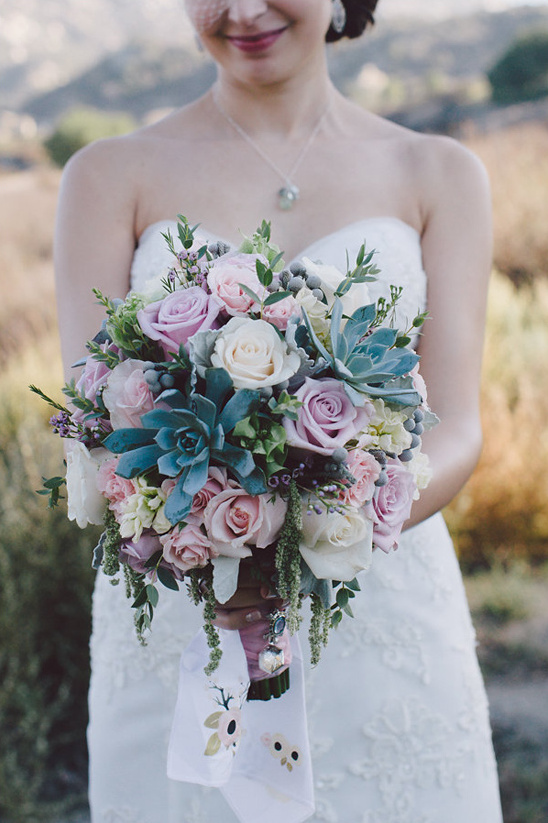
[289, 193]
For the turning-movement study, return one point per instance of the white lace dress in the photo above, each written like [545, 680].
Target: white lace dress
[397, 711]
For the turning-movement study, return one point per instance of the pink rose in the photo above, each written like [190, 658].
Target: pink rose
[327, 419]
[391, 506]
[187, 548]
[216, 482]
[127, 395]
[178, 316]
[279, 313]
[366, 470]
[115, 488]
[225, 276]
[234, 520]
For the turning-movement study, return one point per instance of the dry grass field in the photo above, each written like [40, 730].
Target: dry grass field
[499, 521]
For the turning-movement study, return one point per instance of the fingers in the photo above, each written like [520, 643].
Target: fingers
[235, 619]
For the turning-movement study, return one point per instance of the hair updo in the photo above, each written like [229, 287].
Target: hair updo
[359, 14]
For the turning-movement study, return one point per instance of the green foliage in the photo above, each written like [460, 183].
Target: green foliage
[288, 558]
[45, 588]
[81, 126]
[522, 71]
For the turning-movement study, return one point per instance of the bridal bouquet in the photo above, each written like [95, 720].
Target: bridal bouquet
[240, 412]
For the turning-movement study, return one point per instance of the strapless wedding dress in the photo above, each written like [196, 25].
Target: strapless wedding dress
[397, 711]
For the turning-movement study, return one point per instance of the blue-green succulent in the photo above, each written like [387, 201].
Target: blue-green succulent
[185, 434]
[367, 358]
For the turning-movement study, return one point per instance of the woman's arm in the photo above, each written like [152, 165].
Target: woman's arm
[94, 240]
[457, 249]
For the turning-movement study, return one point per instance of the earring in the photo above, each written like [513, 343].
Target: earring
[338, 16]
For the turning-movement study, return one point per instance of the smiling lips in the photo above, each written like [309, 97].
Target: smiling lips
[255, 43]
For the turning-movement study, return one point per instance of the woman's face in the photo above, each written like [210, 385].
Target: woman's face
[261, 40]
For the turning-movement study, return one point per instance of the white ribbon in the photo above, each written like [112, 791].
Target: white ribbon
[257, 753]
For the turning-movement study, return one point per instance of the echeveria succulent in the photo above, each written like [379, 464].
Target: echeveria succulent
[184, 434]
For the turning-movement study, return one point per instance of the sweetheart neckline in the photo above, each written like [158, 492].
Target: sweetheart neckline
[303, 253]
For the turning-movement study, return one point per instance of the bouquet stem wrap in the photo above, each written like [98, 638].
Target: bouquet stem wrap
[257, 753]
[254, 642]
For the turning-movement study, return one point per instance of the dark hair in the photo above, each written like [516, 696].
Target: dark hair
[359, 14]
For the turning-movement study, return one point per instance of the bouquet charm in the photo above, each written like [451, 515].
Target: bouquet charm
[241, 411]
[268, 666]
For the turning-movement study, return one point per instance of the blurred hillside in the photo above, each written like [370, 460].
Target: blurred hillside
[104, 60]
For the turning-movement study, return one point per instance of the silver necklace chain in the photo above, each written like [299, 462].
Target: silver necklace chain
[289, 193]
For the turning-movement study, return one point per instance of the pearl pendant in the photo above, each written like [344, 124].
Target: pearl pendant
[287, 197]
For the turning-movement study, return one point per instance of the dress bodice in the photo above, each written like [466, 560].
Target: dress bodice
[397, 246]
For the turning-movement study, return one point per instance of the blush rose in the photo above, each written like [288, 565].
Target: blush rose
[391, 506]
[224, 279]
[188, 547]
[127, 395]
[365, 470]
[234, 520]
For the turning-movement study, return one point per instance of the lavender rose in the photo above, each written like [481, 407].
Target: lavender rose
[391, 506]
[327, 419]
[135, 553]
[178, 316]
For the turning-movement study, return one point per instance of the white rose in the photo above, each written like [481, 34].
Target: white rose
[337, 546]
[85, 502]
[331, 277]
[253, 354]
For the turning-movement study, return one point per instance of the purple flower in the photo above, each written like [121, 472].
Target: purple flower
[327, 419]
[136, 553]
[173, 320]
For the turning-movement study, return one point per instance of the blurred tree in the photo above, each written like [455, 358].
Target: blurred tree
[522, 71]
[81, 126]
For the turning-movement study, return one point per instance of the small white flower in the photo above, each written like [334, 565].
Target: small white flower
[385, 430]
[85, 502]
[143, 510]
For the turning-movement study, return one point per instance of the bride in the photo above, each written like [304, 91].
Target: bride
[397, 711]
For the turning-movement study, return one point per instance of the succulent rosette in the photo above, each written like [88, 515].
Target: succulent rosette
[242, 411]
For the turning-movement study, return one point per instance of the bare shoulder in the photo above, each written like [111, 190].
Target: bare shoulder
[448, 175]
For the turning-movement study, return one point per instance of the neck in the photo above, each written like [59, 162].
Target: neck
[285, 110]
